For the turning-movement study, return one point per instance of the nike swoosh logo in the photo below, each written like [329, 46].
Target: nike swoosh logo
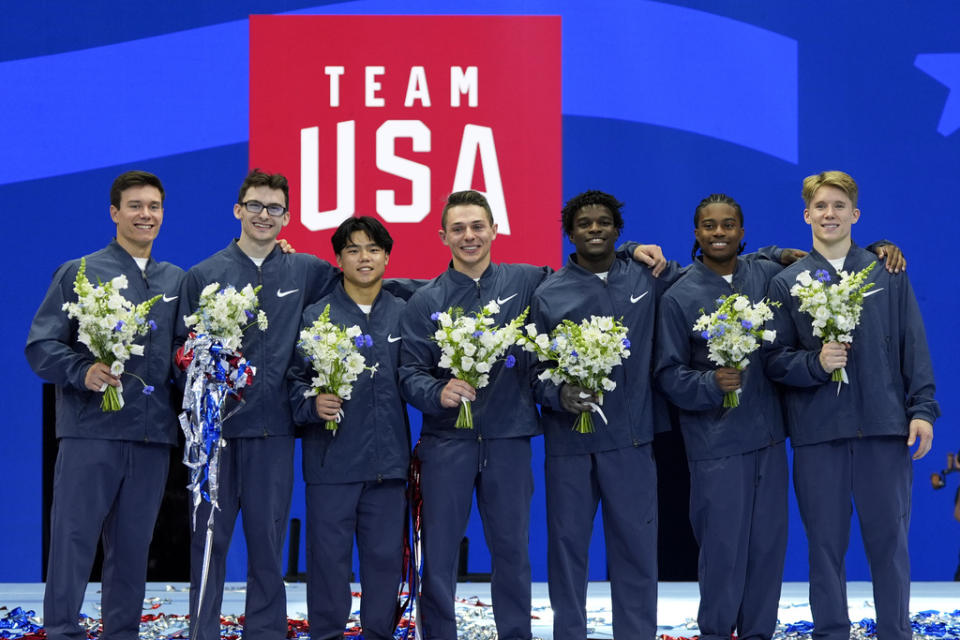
[283, 294]
[635, 299]
[872, 291]
[505, 300]
[167, 298]
[390, 338]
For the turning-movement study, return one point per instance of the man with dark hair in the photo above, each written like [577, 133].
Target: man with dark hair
[256, 468]
[737, 458]
[493, 458]
[356, 475]
[614, 464]
[111, 466]
[853, 440]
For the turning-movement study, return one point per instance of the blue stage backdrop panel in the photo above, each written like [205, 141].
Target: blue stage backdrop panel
[663, 102]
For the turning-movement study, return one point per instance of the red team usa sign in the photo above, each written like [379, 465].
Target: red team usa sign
[386, 115]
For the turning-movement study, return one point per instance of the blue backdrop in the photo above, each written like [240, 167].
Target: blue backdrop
[663, 103]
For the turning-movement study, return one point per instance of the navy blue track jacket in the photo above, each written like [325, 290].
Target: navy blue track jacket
[372, 441]
[55, 354]
[686, 374]
[505, 407]
[634, 410]
[889, 367]
[290, 282]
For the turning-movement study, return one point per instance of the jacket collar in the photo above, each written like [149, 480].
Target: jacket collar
[234, 250]
[461, 278]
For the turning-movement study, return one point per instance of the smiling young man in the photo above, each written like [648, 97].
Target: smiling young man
[256, 468]
[852, 440]
[613, 465]
[737, 458]
[493, 458]
[111, 466]
[356, 475]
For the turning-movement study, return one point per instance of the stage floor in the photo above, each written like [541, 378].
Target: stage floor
[677, 605]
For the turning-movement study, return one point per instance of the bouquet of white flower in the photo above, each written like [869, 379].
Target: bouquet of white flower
[226, 313]
[733, 332]
[584, 354]
[215, 369]
[835, 309]
[334, 353]
[108, 325]
[471, 344]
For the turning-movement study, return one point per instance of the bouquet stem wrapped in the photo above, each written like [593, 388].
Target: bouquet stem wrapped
[215, 369]
[584, 354]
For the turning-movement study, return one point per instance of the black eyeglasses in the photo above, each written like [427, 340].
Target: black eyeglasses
[255, 207]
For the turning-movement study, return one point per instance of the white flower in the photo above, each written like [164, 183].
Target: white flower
[471, 344]
[334, 356]
[804, 278]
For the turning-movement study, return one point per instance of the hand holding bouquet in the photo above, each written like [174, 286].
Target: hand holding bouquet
[470, 344]
[584, 354]
[334, 353]
[108, 325]
[835, 309]
[733, 332]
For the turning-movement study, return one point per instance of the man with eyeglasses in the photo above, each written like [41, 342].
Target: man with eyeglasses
[111, 465]
[256, 466]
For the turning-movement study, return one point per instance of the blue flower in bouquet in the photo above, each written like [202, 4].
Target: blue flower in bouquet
[333, 353]
[108, 323]
[470, 344]
[147, 390]
[152, 325]
[733, 332]
[435, 316]
[581, 354]
[835, 309]
[510, 362]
